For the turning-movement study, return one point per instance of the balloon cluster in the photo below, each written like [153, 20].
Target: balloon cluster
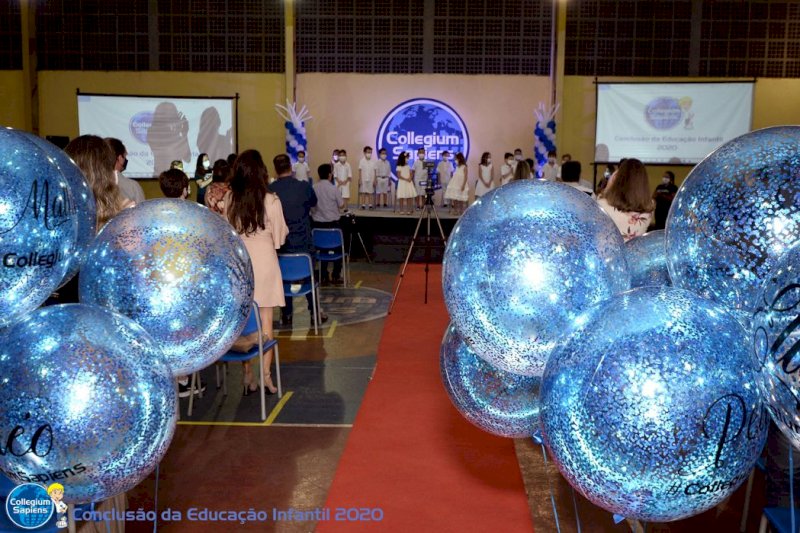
[88, 396]
[657, 363]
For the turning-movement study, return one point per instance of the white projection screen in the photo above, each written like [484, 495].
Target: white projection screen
[672, 123]
[158, 130]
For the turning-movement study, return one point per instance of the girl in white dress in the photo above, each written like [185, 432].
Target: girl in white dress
[457, 192]
[485, 179]
[406, 191]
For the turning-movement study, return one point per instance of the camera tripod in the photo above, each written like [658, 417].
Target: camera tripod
[428, 209]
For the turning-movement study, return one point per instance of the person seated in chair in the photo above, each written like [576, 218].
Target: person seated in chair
[326, 215]
[297, 199]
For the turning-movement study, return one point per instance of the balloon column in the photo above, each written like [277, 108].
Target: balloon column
[38, 225]
[178, 270]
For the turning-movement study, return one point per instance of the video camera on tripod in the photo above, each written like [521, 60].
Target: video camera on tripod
[432, 183]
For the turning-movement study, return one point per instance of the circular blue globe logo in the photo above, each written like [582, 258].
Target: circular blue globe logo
[422, 123]
[29, 506]
[663, 113]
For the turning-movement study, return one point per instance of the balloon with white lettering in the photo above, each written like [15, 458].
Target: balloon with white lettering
[83, 197]
[647, 259]
[521, 263]
[38, 226]
[649, 408]
[180, 271]
[734, 215]
[88, 401]
[496, 401]
[776, 344]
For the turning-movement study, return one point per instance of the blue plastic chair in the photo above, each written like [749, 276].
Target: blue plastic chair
[329, 246]
[297, 272]
[778, 519]
[264, 345]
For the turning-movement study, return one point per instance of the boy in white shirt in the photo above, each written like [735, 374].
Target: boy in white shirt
[551, 171]
[366, 178]
[507, 168]
[444, 171]
[383, 173]
[343, 175]
[419, 174]
[300, 169]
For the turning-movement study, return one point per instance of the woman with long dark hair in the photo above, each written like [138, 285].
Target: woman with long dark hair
[257, 216]
[626, 199]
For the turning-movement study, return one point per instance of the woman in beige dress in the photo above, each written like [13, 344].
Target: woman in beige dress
[257, 216]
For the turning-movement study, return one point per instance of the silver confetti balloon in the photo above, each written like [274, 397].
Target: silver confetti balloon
[180, 271]
[650, 407]
[521, 263]
[647, 260]
[733, 217]
[776, 344]
[38, 226]
[87, 401]
[83, 197]
[496, 401]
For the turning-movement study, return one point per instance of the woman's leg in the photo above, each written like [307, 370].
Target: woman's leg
[265, 313]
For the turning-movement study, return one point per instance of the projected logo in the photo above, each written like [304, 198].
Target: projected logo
[422, 123]
[663, 113]
[139, 124]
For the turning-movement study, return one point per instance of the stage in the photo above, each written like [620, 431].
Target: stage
[387, 234]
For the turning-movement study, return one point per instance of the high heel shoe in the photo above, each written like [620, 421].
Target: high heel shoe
[248, 385]
[271, 388]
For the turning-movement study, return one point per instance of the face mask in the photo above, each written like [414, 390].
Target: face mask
[421, 156]
[383, 157]
[488, 160]
[446, 158]
[551, 161]
[368, 155]
[301, 159]
[124, 165]
[342, 158]
[336, 158]
[665, 181]
[509, 161]
[518, 157]
[206, 164]
[607, 174]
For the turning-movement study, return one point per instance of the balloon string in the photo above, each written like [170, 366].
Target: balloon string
[791, 488]
[155, 503]
[575, 506]
[550, 488]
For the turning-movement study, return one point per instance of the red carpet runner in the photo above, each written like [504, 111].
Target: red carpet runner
[410, 453]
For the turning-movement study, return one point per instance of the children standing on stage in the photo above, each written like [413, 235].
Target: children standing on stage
[366, 178]
[485, 178]
[444, 171]
[383, 173]
[300, 168]
[419, 174]
[343, 175]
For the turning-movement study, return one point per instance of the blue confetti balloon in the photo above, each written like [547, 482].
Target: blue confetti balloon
[82, 195]
[737, 211]
[38, 226]
[650, 408]
[776, 344]
[180, 271]
[520, 265]
[87, 401]
[496, 401]
[647, 260]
